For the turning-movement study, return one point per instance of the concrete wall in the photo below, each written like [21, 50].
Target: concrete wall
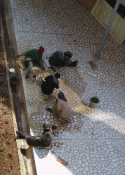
[27, 165]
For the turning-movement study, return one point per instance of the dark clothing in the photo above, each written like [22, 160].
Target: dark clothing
[32, 55]
[69, 63]
[43, 140]
[49, 84]
[55, 61]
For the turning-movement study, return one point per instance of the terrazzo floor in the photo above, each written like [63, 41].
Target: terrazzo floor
[92, 142]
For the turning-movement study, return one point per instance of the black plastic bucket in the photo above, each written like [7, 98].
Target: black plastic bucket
[13, 80]
[93, 102]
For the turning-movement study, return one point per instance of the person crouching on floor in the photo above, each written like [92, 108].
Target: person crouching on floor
[60, 59]
[48, 85]
[33, 57]
[44, 140]
[60, 108]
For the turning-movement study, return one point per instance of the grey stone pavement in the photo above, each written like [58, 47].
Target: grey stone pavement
[93, 142]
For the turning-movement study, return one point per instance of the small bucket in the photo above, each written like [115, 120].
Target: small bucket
[12, 70]
[13, 77]
[13, 80]
[93, 102]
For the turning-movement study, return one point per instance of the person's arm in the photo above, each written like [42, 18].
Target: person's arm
[41, 64]
[40, 57]
[23, 54]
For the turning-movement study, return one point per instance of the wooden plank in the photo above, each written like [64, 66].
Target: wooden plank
[21, 65]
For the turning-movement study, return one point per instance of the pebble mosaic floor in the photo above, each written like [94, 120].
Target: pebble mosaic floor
[92, 142]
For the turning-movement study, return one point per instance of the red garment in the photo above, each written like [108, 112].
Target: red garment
[41, 49]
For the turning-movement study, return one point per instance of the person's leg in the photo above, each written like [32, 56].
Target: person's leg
[31, 140]
[56, 62]
[41, 64]
[29, 68]
[55, 109]
[21, 136]
[70, 63]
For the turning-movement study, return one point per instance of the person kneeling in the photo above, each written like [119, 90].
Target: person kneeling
[60, 108]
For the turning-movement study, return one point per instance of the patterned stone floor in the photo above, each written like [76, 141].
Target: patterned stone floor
[93, 141]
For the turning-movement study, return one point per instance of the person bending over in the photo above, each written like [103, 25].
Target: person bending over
[60, 108]
[33, 57]
[49, 83]
[43, 140]
[59, 59]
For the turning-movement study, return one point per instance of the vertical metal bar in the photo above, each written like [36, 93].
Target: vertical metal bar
[122, 2]
[108, 28]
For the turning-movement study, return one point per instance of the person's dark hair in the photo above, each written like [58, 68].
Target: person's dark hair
[68, 54]
[57, 75]
[61, 96]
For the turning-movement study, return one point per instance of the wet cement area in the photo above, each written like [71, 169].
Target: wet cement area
[60, 128]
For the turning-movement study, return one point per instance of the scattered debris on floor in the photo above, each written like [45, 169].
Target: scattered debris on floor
[62, 161]
[94, 75]
[93, 65]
